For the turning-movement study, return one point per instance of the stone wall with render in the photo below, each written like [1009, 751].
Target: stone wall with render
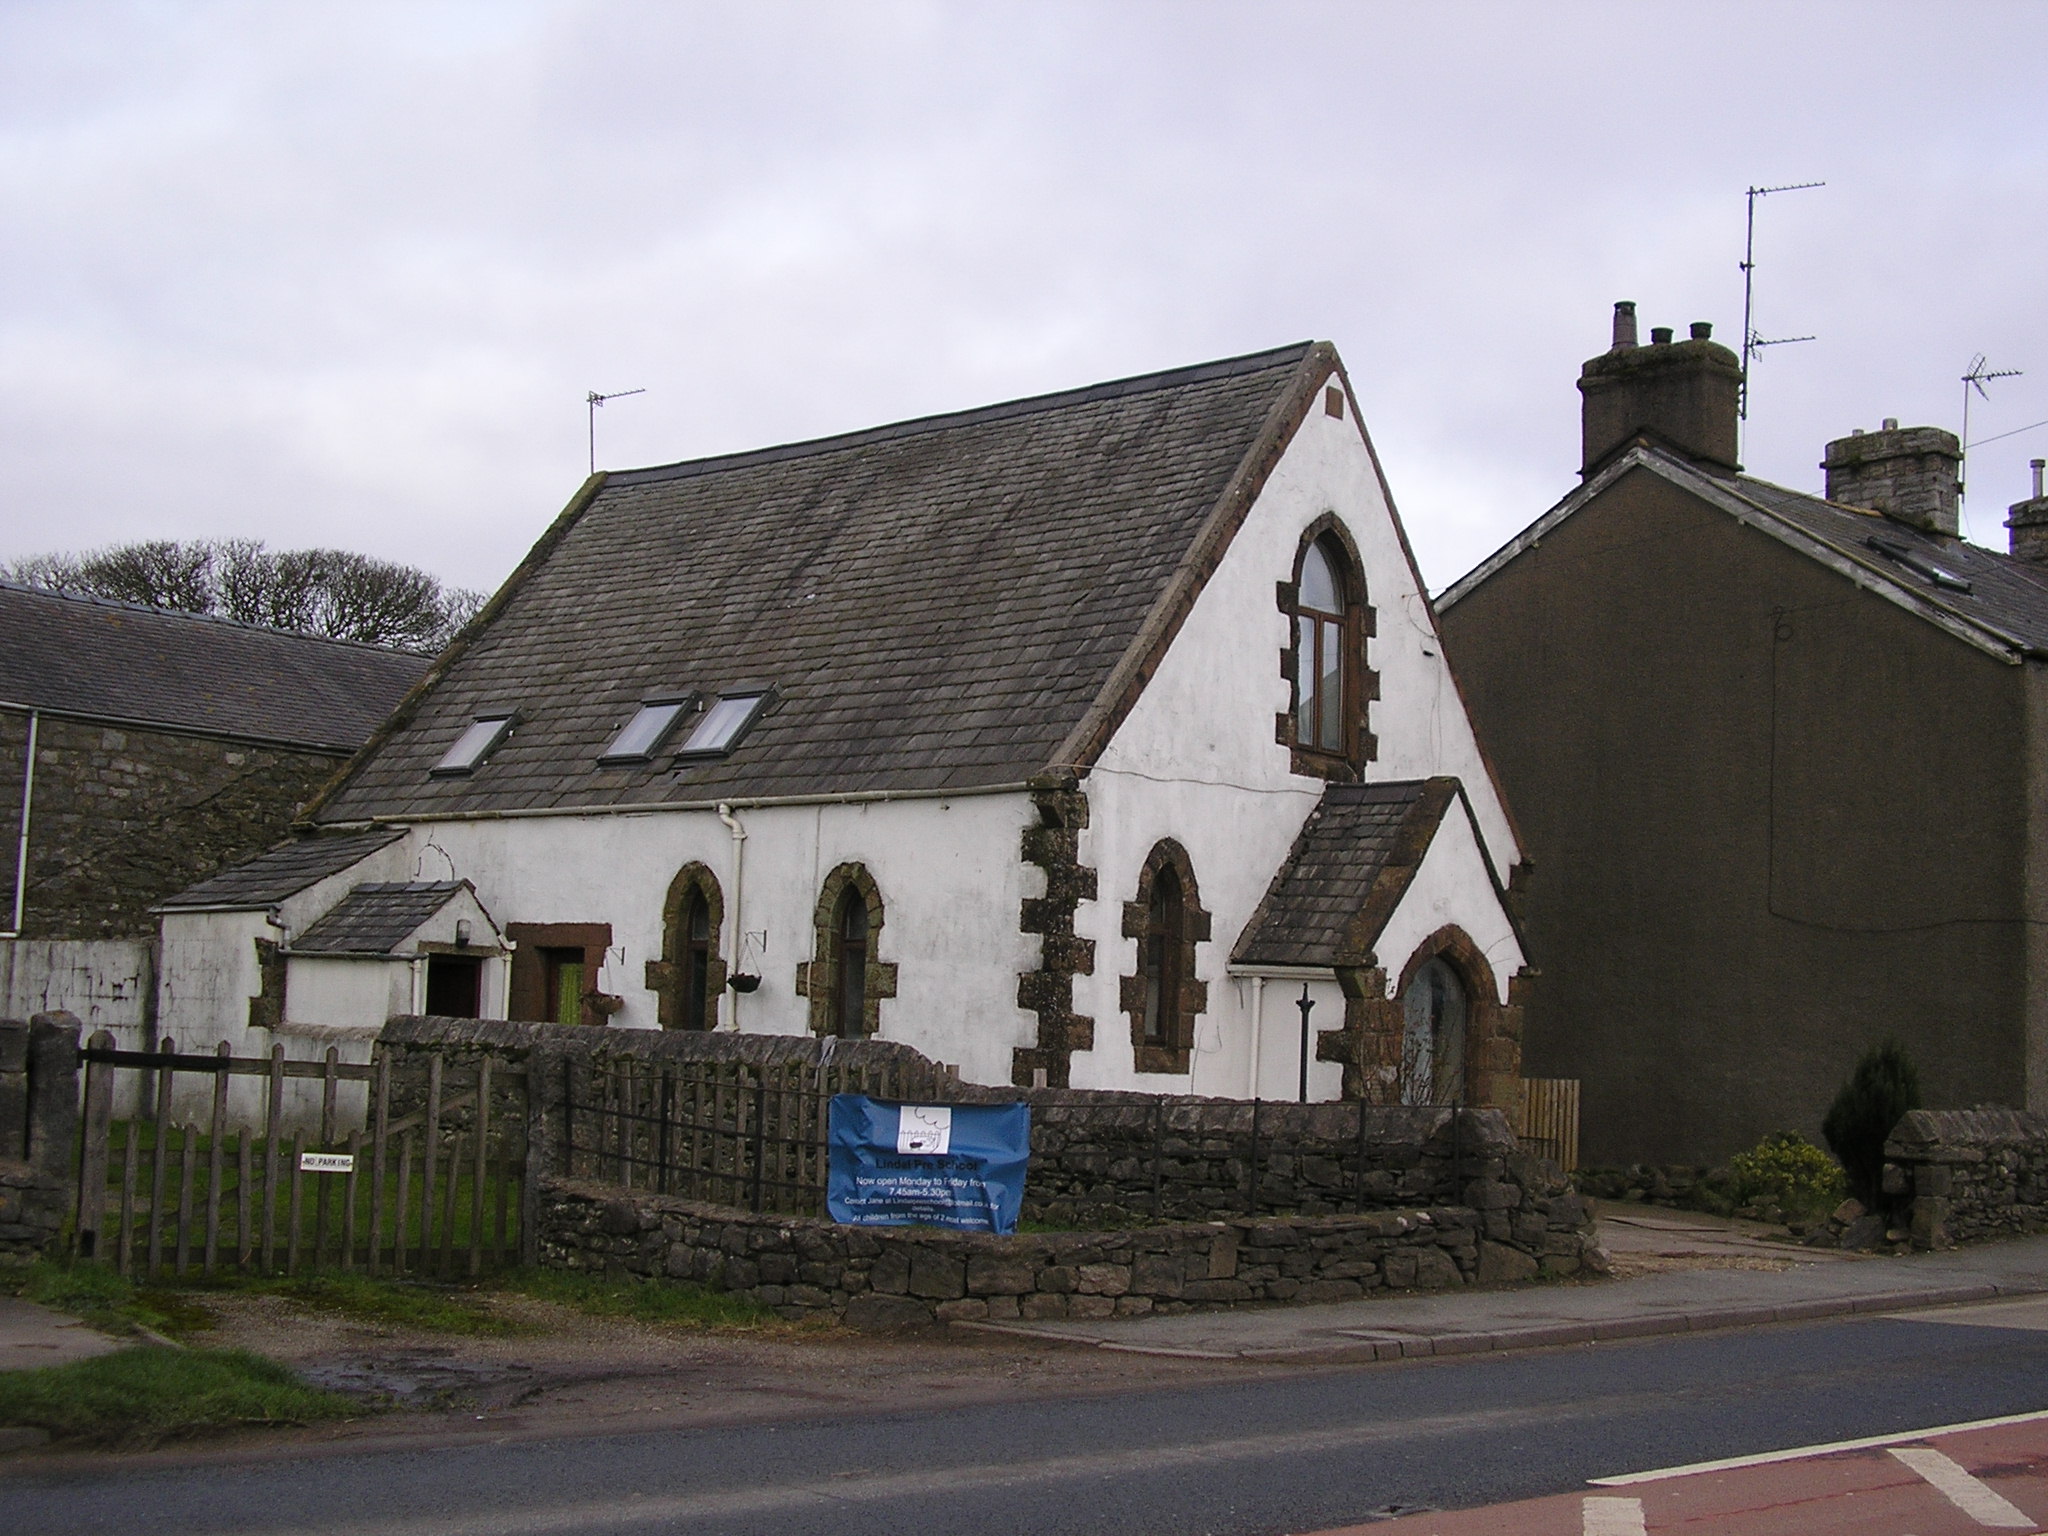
[1966, 1175]
[879, 1277]
[38, 1133]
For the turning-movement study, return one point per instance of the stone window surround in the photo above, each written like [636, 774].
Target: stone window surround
[1361, 683]
[1149, 1056]
[667, 976]
[816, 978]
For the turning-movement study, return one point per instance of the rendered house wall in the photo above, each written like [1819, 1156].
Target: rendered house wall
[1771, 819]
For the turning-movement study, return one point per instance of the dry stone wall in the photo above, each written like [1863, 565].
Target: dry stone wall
[1969, 1174]
[885, 1277]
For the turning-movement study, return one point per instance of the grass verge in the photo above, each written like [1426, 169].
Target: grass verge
[672, 1302]
[97, 1294]
[392, 1303]
[140, 1397]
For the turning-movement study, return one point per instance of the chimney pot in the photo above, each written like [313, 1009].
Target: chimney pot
[1624, 324]
[1660, 335]
[2037, 465]
[2027, 527]
[1703, 330]
[1855, 431]
[1909, 475]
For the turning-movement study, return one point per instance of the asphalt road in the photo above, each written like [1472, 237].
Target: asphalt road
[1305, 1453]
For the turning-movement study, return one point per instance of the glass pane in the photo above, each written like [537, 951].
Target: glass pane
[1319, 589]
[644, 732]
[474, 744]
[722, 722]
[1330, 688]
[1305, 681]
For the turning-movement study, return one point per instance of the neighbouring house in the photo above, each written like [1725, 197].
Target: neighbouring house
[148, 749]
[1076, 740]
[1781, 760]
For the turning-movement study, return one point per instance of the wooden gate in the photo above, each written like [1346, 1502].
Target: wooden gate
[1549, 1121]
[437, 1188]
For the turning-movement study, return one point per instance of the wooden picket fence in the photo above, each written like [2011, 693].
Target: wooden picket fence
[1549, 1121]
[439, 1191]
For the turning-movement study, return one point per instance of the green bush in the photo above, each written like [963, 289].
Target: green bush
[1881, 1091]
[1788, 1171]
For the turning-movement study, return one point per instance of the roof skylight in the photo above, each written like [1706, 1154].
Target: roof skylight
[723, 724]
[1920, 565]
[647, 730]
[473, 745]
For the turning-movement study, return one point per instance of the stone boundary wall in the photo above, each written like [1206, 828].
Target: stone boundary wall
[891, 1277]
[1099, 1158]
[1969, 1174]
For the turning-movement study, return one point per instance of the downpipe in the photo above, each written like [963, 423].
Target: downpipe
[739, 893]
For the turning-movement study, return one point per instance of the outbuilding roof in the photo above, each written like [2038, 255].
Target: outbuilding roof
[1349, 867]
[283, 872]
[121, 662]
[954, 602]
[376, 917]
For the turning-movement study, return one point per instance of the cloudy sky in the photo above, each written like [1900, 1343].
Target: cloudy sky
[343, 274]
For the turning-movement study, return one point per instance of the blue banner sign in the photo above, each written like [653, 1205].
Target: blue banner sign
[933, 1165]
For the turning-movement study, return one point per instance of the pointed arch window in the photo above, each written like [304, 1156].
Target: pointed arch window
[1163, 995]
[846, 980]
[689, 978]
[1435, 1007]
[850, 966]
[1328, 682]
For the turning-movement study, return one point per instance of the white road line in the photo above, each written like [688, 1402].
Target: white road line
[1765, 1459]
[1973, 1498]
[1612, 1517]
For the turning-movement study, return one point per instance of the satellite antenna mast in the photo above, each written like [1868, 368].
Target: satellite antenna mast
[591, 402]
[1976, 378]
[1752, 343]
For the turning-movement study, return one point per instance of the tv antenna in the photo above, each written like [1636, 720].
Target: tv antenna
[1978, 375]
[1752, 343]
[591, 402]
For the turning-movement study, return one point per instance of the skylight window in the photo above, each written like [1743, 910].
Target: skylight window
[723, 724]
[647, 730]
[474, 745]
[1921, 566]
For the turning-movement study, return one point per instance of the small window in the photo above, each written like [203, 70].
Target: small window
[1319, 648]
[1934, 575]
[646, 731]
[850, 965]
[474, 744]
[1433, 1012]
[723, 725]
[698, 953]
[1163, 939]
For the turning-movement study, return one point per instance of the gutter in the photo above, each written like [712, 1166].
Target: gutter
[662, 807]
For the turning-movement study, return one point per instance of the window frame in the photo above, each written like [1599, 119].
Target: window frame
[682, 705]
[761, 695]
[450, 767]
[1358, 684]
[1164, 975]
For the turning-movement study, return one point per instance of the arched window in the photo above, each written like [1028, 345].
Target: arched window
[846, 980]
[689, 978]
[850, 966]
[1162, 994]
[1434, 1008]
[697, 954]
[1319, 652]
[1325, 660]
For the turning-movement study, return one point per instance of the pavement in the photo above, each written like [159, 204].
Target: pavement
[33, 1335]
[1765, 1282]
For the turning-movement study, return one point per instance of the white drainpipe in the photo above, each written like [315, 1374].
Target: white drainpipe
[1251, 1087]
[739, 891]
[28, 792]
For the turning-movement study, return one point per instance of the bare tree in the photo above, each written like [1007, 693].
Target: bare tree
[330, 592]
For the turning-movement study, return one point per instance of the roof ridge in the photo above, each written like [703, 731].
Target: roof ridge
[95, 600]
[1111, 389]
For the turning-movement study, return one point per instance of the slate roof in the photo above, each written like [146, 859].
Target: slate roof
[271, 877]
[2007, 597]
[1348, 868]
[104, 660]
[376, 917]
[938, 603]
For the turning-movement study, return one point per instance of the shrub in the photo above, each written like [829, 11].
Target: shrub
[1788, 1171]
[1884, 1087]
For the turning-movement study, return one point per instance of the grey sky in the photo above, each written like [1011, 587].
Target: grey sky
[341, 274]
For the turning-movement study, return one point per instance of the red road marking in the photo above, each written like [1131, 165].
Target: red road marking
[1865, 1492]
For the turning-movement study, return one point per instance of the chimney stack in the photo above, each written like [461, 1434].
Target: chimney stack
[1910, 474]
[2028, 525]
[1679, 395]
